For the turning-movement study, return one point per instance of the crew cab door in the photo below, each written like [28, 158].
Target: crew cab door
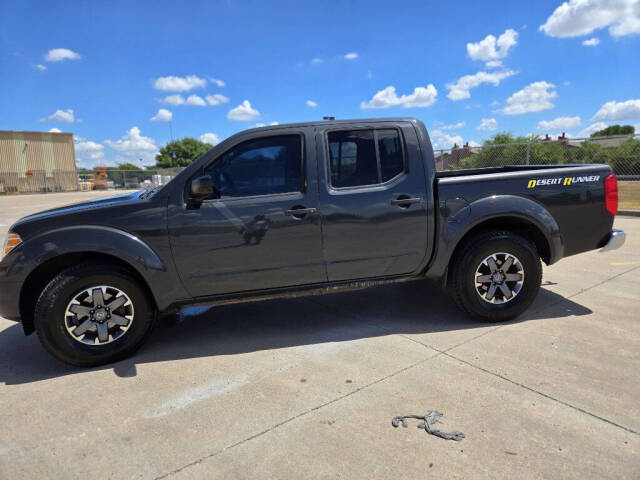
[372, 199]
[264, 229]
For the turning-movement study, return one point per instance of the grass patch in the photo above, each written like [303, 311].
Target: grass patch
[629, 195]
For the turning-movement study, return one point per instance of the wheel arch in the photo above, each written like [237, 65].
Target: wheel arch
[37, 280]
[503, 212]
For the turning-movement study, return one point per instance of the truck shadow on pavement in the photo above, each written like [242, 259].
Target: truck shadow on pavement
[411, 308]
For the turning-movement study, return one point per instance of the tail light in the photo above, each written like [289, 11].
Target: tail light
[611, 194]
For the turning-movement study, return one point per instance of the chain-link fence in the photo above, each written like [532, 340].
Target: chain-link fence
[41, 181]
[109, 179]
[622, 153]
[38, 181]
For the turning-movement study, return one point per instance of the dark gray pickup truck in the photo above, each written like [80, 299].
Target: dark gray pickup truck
[287, 210]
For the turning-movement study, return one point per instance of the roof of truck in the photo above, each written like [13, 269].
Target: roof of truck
[334, 122]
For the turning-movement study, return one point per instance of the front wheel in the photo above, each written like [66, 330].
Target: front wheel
[92, 314]
[495, 276]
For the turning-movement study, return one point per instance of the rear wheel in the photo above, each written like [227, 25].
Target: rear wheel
[92, 314]
[495, 276]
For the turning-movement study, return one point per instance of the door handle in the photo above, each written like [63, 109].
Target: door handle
[299, 212]
[405, 201]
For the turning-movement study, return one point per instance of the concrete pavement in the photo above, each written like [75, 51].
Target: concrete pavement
[307, 388]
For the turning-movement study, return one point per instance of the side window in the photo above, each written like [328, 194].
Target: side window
[262, 166]
[390, 150]
[353, 160]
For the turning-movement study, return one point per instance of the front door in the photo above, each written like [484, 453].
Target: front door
[264, 230]
[373, 201]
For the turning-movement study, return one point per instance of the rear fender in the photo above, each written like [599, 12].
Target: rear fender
[453, 228]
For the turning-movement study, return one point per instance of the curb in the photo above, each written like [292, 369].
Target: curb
[629, 213]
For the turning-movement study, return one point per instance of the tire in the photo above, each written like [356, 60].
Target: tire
[474, 262]
[56, 327]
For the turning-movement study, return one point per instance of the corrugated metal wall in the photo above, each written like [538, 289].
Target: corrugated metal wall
[37, 162]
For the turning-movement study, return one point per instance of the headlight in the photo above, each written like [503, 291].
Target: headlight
[11, 242]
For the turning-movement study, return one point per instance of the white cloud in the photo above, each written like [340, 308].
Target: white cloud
[460, 89]
[260, 124]
[179, 84]
[351, 56]
[243, 112]
[40, 67]
[87, 150]
[491, 49]
[163, 115]
[421, 97]
[134, 145]
[592, 42]
[65, 116]
[534, 97]
[619, 111]
[451, 126]
[210, 138]
[59, 54]
[55, 130]
[218, 82]
[581, 17]
[316, 61]
[173, 99]
[493, 64]
[195, 100]
[216, 99]
[444, 140]
[559, 123]
[594, 127]
[311, 103]
[487, 124]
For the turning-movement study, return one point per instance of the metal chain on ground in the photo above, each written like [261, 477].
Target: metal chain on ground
[429, 419]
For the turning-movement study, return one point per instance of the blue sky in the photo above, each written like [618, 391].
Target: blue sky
[103, 70]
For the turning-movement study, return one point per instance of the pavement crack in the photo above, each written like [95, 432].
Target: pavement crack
[545, 395]
[295, 417]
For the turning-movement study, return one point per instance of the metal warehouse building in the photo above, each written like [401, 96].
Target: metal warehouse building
[37, 162]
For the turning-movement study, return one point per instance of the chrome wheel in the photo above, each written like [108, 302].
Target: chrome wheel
[499, 278]
[99, 315]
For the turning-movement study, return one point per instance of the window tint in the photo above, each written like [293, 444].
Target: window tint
[262, 166]
[352, 158]
[353, 161]
[390, 151]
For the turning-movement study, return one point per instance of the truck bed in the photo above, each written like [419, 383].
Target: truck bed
[504, 169]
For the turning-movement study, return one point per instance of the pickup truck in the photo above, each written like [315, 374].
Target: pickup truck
[299, 209]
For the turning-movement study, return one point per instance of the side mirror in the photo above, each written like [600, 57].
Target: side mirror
[202, 188]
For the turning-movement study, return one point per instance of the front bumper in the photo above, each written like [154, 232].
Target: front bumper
[616, 240]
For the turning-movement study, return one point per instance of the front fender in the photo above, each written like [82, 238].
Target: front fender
[453, 226]
[91, 239]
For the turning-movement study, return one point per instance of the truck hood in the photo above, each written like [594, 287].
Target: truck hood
[79, 207]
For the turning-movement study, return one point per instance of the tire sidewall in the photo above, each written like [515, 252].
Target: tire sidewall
[529, 259]
[50, 318]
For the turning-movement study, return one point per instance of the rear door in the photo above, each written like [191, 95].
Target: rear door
[372, 198]
[264, 230]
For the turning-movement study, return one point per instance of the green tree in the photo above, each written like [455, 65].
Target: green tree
[615, 130]
[180, 153]
[125, 166]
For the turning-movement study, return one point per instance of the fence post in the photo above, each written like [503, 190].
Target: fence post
[528, 151]
[444, 160]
